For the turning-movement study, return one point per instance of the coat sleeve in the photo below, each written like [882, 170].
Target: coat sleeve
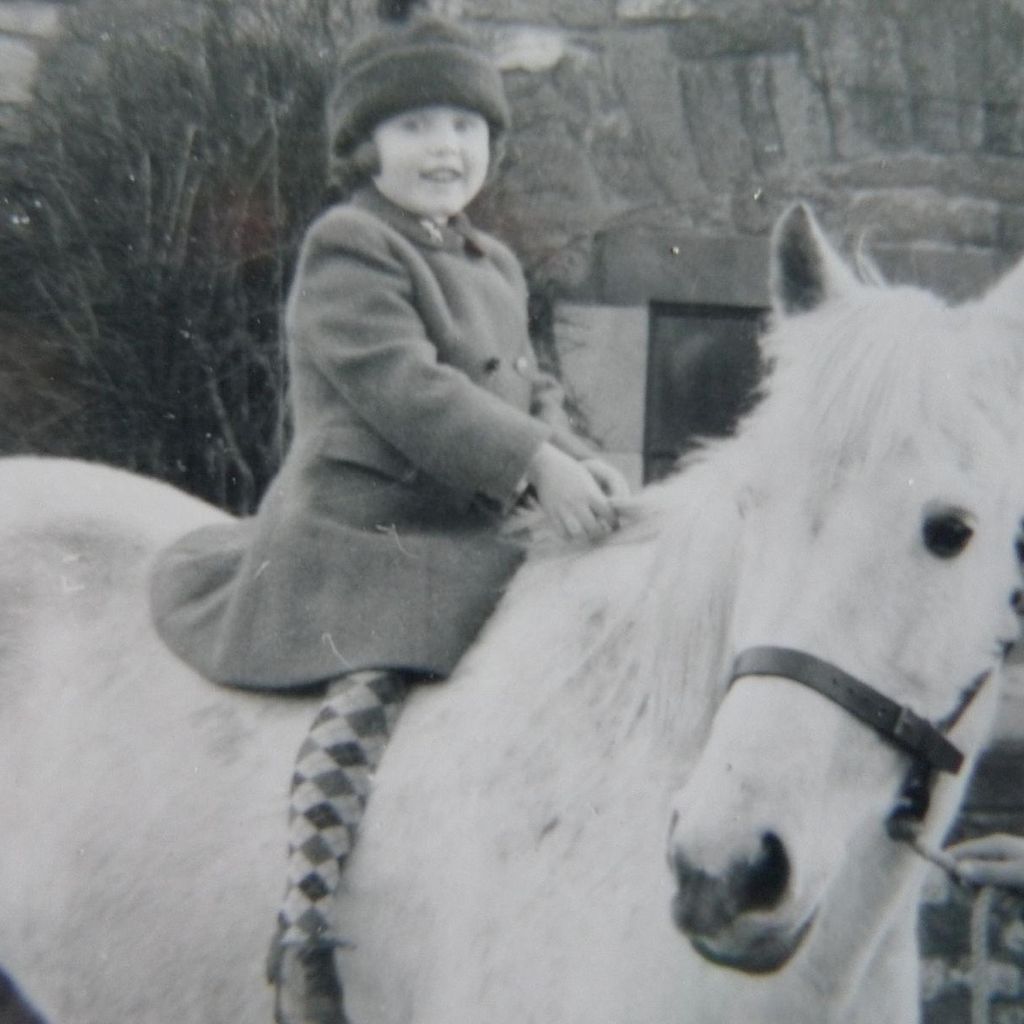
[547, 400]
[549, 406]
[353, 309]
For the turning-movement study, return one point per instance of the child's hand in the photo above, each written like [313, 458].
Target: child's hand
[572, 495]
[991, 860]
[608, 478]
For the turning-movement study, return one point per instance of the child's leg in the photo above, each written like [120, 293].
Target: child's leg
[329, 791]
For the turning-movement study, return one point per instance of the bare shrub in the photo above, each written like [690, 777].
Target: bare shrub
[175, 156]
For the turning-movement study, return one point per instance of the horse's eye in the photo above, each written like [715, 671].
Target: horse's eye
[946, 534]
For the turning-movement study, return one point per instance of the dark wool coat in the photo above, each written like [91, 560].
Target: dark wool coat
[417, 406]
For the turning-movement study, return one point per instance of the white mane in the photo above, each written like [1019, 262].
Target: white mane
[883, 370]
[878, 371]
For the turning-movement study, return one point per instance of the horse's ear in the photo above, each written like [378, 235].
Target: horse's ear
[806, 270]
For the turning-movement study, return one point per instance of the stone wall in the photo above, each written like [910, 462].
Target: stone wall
[639, 123]
[900, 120]
[23, 25]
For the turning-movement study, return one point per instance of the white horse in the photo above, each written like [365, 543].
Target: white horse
[512, 866]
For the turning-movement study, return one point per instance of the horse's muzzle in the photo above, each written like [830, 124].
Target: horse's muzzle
[766, 951]
[728, 917]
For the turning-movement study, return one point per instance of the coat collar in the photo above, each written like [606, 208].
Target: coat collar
[458, 235]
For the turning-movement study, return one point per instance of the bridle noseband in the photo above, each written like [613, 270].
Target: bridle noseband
[924, 741]
[897, 723]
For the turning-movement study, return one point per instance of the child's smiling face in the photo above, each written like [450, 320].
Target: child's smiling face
[433, 160]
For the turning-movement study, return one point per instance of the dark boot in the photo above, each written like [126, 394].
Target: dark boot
[307, 987]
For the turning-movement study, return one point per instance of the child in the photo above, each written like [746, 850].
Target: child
[421, 418]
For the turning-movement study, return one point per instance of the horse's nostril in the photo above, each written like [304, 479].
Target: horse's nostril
[706, 903]
[768, 876]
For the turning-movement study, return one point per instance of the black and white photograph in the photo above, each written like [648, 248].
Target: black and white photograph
[511, 511]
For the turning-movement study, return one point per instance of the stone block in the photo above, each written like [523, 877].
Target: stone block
[579, 13]
[861, 55]
[529, 49]
[757, 98]
[602, 351]
[549, 194]
[862, 47]
[1002, 1012]
[998, 782]
[645, 73]
[29, 19]
[1001, 67]
[870, 121]
[942, 125]
[944, 43]
[802, 118]
[939, 977]
[13, 126]
[688, 10]
[712, 38]
[925, 214]
[1011, 233]
[1009, 730]
[18, 62]
[638, 264]
[1011, 938]
[655, 9]
[752, 211]
[944, 929]
[1003, 128]
[952, 1007]
[997, 178]
[714, 109]
[1004, 980]
[956, 274]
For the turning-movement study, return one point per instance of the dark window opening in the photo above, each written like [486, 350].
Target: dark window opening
[703, 369]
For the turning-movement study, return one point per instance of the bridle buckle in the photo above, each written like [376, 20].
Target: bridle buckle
[909, 728]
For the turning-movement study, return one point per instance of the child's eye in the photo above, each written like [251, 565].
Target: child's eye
[411, 123]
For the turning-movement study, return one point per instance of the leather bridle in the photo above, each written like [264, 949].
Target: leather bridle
[926, 742]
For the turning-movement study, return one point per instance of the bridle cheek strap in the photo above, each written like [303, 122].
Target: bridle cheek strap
[894, 722]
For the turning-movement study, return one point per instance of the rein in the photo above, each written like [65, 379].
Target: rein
[926, 743]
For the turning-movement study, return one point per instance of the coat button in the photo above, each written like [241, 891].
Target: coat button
[522, 364]
[492, 365]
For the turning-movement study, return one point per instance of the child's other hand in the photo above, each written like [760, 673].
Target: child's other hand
[608, 478]
[991, 860]
[571, 494]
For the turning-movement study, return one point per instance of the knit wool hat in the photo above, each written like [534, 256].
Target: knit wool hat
[425, 61]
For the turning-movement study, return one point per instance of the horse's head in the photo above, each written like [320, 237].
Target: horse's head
[878, 498]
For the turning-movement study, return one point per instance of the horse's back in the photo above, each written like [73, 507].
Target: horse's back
[76, 540]
[123, 767]
[45, 493]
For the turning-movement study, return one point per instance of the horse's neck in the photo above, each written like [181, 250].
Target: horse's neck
[629, 636]
[692, 592]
